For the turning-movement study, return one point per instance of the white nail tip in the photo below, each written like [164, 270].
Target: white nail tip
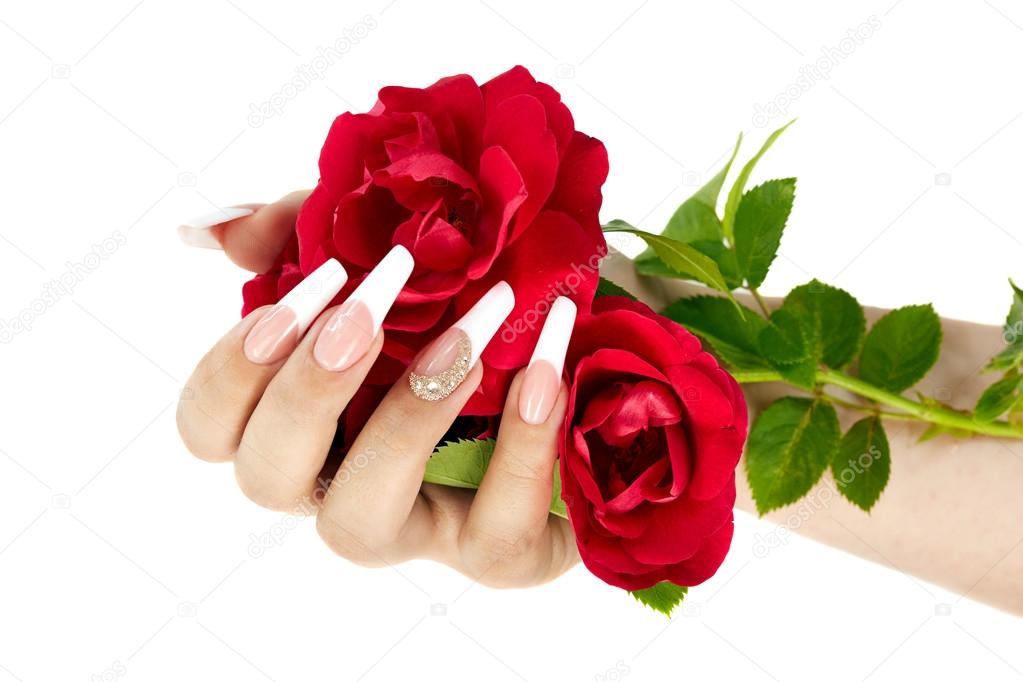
[313, 293]
[383, 284]
[196, 231]
[485, 318]
[552, 343]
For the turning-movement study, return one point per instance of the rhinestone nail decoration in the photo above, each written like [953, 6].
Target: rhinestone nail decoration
[440, 386]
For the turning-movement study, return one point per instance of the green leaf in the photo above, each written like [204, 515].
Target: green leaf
[782, 341]
[682, 258]
[558, 507]
[790, 445]
[759, 223]
[735, 194]
[730, 334]
[999, 397]
[697, 219]
[606, 287]
[708, 194]
[724, 257]
[785, 345]
[832, 321]
[464, 463]
[461, 464]
[1015, 417]
[935, 430]
[901, 348]
[1012, 355]
[663, 597]
[863, 463]
[696, 223]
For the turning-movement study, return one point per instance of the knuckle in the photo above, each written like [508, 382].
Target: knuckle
[523, 471]
[260, 489]
[390, 431]
[349, 544]
[289, 400]
[198, 443]
[485, 548]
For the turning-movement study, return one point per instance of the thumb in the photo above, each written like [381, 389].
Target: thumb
[251, 234]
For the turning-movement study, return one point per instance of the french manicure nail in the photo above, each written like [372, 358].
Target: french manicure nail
[542, 381]
[351, 329]
[277, 333]
[447, 361]
[199, 230]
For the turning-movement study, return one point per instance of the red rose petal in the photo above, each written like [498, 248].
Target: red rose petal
[718, 453]
[420, 179]
[462, 100]
[519, 125]
[503, 191]
[366, 218]
[706, 404]
[537, 274]
[643, 405]
[705, 563]
[581, 174]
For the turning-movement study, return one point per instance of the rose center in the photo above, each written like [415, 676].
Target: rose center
[619, 467]
[462, 215]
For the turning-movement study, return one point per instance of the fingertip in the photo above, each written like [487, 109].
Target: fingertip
[253, 242]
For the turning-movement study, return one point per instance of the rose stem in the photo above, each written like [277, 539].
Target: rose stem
[914, 410]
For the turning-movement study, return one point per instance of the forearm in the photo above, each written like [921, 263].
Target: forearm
[951, 512]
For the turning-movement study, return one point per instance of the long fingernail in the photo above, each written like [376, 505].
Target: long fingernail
[542, 381]
[277, 333]
[447, 361]
[351, 329]
[199, 230]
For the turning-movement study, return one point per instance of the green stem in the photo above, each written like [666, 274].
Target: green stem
[867, 409]
[761, 303]
[911, 409]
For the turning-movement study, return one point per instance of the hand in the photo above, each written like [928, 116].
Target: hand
[271, 405]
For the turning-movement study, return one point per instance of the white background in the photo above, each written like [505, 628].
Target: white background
[122, 557]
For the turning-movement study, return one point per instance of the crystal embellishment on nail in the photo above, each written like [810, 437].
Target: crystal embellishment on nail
[439, 386]
[449, 358]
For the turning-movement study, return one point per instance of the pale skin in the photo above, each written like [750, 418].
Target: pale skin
[276, 422]
[951, 513]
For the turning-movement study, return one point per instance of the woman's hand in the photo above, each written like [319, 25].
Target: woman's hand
[267, 397]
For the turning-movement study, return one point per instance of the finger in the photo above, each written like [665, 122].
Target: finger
[252, 235]
[373, 501]
[227, 384]
[289, 434]
[509, 535]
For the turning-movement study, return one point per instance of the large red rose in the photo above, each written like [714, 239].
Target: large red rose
[480, 183]
[650, 443]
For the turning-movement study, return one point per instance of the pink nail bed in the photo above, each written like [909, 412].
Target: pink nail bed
[273, 337]
[345, 338]
[542, 380]
[539, 392]
[277, 333]
[349, 333]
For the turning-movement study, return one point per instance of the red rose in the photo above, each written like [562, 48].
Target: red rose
[652, 437]
[480, 183]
